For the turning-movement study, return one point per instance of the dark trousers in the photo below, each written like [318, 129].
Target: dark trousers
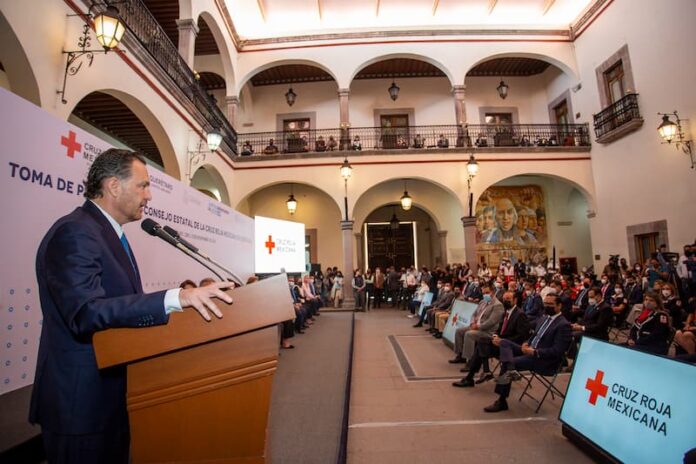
[108, 447]
[379, 294]
[484, 349]
[300, 317]
[287, 330]
[511, 357]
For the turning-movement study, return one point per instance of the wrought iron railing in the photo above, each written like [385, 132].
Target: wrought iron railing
[414, 137]
[616, 115]
[145, 28]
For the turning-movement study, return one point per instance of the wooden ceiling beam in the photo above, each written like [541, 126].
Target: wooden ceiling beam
[547, 6]
[491, 6]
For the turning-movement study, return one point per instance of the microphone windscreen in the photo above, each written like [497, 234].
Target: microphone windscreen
[171, 231]
[149, 226]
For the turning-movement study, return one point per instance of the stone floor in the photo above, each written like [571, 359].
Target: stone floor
[417, 416]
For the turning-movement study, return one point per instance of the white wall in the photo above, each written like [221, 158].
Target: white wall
[637, 179]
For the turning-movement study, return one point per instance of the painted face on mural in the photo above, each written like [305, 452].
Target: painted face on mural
[505, 215]
[488, 220]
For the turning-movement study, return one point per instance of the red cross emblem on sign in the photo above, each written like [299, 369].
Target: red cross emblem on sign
[270, 244]
[70, 142]
[596, 387]
[454, 319]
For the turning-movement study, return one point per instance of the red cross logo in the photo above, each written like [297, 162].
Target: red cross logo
[71, 144]
[270, 244]
[596, 387]
[454, 319]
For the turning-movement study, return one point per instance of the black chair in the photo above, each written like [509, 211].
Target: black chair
[547, 379]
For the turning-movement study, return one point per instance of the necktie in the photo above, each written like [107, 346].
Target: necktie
[505, 322]
[537, 337]
[126, 246]
[589, 310]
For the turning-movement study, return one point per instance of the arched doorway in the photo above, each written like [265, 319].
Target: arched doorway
[315, 209]
[125, 122]
[209, 181]
[534, 219]
[16, 74]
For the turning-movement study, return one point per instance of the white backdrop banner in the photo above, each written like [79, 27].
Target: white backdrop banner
[43, 161]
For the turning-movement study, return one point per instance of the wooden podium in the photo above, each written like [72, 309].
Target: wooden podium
[200, 391]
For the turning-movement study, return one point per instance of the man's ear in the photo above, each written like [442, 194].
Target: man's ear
[112, 187]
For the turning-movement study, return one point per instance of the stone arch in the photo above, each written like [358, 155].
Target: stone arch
[563, 66]
[151, 123]
[207, 177]
[250, 194]
[224, 50]
[16, 64]
[413, 56]
[272, 64]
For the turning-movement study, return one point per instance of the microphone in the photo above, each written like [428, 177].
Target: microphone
[153, 228]
[181, 241]
[184, 242]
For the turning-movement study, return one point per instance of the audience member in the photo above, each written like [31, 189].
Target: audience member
[247, 149]
[651, 330]
[271, 148]
[483, 323]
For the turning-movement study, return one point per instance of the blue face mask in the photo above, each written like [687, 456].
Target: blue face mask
[487, 298]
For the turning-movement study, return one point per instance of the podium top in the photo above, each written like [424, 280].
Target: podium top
[255, 306]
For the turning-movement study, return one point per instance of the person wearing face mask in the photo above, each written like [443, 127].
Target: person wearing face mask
[651, 330]
[673, 305]
[594, 323]
[484, 321]
[544, 288]
[581, 300]
[619, 304]
[443, 301]
[533, 304]
[543, 352]
[473, 292]
[513, 327]
[498, 289]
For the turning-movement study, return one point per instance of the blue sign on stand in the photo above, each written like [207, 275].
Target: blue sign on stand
[459, 317]
[426, 301]
[635, 406]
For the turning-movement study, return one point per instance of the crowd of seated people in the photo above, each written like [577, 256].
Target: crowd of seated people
[533, 318]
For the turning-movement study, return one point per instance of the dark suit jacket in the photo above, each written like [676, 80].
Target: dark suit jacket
[86, 284]
[517, 328]
[553, 344]
[533, 308]
[597, 321]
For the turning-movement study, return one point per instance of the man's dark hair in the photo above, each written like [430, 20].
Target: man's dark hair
[556, 298]
[517, 298]
[113, 162]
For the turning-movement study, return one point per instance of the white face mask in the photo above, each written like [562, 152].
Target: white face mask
[592, 301]
[666, 293]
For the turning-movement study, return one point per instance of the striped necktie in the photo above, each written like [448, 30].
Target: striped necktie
[542, 329]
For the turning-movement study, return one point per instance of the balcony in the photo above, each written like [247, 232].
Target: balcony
[416, 139]
[618, 120]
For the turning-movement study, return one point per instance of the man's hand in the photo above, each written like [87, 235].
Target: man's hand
[526, 349]
[496, 340]
[201, 298]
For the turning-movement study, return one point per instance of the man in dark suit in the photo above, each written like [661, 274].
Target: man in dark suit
[581, 300]
[543, 353]
[594, 323]
[89, 281]
[533, 305]
[513, 327]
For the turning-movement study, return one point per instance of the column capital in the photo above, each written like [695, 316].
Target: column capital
[343, 92]
[347, 225]
[187, 25]
[468, 221]
[459, 90]
[442, 233]
[232, 100]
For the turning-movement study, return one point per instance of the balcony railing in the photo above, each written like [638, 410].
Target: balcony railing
[619, 114]
[148, 32]
[415, 137]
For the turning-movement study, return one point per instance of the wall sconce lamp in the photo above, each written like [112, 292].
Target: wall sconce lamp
[290, 97]
[406, 200]
[503, 89]
[394, 91]
[673, 132]
[214, 139]
[109, 29]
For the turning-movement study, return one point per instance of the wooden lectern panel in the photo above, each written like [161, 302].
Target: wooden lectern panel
[200, 391]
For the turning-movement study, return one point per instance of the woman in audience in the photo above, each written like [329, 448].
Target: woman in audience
[686, 338]
[651, 330]
[337, 290]
[673, 305]
[369, 287]
[379, 282]
[619, 303]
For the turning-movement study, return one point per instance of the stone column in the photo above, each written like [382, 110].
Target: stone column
[188, 30]
[359, 252]
[344, 117]
[469, 224]
[463, 138]
[232, 102]
[348, 266]
[443, 247]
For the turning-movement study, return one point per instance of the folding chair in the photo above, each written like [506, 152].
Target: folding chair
[547, 379]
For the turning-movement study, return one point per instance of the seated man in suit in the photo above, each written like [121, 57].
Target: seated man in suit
[543, 352]
[513, 327]
[483, 324]
[443, 301]
[595, 322]
[580, 303]
[533, 305]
